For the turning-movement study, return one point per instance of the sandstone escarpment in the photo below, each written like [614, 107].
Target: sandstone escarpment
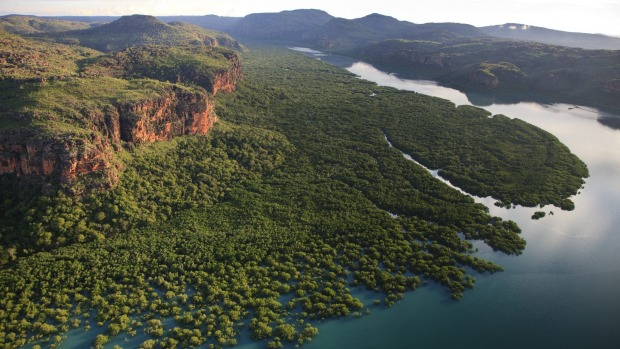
[226, 80]
[67, 110]
[178, 113]
[65, 155]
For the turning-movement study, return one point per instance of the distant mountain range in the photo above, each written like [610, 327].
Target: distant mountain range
[328, 30]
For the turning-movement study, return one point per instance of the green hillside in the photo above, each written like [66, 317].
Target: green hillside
[24, 25]
[134, 30]
[22, 59]
[537, 71]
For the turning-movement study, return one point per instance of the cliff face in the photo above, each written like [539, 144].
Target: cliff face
[180, 112]
[226, 81]
[64, 157]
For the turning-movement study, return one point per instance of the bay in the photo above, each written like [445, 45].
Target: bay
[562, 292]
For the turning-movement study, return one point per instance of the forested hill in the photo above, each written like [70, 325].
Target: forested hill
[319, 29]
[139, 30]
[68, 111]
[514, 70]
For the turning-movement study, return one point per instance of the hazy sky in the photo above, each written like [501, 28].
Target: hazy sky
[590, 16]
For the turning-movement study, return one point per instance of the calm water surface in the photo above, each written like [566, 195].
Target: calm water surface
[562, 292]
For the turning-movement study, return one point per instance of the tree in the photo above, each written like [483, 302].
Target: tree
[286, 331]
[101, 340]
[148, 344]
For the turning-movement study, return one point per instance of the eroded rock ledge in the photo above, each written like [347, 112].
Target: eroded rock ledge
[65, 155]
[175, 112]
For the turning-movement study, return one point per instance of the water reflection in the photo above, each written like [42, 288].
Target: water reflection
[369, 72]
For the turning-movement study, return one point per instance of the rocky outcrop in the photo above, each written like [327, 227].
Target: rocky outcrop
[65, 155]
[179, 113]
[226, 80]
[484, 78]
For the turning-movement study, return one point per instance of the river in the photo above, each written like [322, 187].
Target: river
[562, 292]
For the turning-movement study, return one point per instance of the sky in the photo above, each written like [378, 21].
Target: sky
[588, 16]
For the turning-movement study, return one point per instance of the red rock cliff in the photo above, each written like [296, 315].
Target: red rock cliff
[64, 155]
[226, 80]
[179, 112]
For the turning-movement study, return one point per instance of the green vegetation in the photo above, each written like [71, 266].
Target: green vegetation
[196, 65]
[503, 68]
[28, 60]
[263, 225]
[505, 158]
[141, 30]
[24, 25]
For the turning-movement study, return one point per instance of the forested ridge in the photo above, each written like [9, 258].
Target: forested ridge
[504, 70]
[267, 223]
